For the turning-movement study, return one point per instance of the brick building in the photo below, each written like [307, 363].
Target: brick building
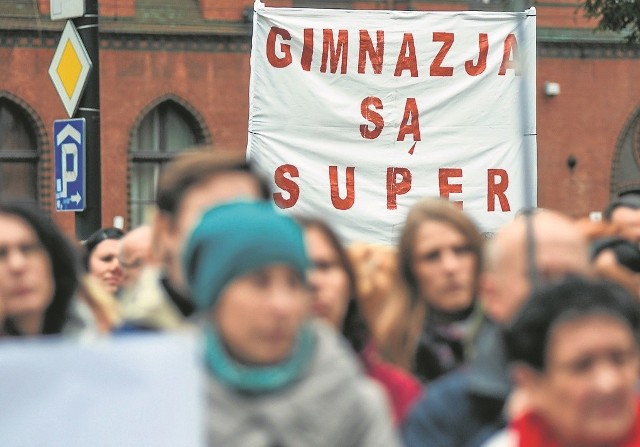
[176, 73]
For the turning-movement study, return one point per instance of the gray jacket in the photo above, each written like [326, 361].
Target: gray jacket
[332, 405]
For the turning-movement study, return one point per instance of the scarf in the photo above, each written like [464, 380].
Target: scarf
[258, 379]
[533, 431]
[441, 347]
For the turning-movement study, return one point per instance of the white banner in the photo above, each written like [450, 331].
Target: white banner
[132, 390]
[355, 115]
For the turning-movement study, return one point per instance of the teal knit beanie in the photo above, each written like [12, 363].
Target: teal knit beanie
[231, 240]
[235, 238]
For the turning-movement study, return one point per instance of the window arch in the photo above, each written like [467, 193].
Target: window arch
[165, 129]
[19, 153]
[625, 169]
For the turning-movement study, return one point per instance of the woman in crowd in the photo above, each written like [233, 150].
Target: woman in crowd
[101, 258]
[333, 287]
[38, 271]
[575, 356]
[439, 261]
[275, 377]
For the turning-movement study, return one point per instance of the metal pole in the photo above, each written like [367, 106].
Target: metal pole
[526, 111]
[90, 219]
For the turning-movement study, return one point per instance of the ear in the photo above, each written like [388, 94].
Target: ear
[525, 391]
[488, 293]
[524, 376]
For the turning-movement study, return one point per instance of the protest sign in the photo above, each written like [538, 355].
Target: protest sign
[135, 390]
[355, 115]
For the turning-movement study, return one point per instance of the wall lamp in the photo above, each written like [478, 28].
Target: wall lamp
[551, 88]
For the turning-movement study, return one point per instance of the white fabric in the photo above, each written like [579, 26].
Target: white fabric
[504, 438]
[312, 119]
[134, 390]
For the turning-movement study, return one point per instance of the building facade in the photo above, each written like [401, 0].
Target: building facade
[176, 74]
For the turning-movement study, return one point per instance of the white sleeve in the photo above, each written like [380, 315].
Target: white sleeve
[504, 438]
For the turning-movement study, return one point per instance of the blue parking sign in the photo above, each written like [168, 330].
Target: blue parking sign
[69, 159]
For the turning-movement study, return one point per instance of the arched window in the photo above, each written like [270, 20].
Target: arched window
[18, 153]
[165, 131]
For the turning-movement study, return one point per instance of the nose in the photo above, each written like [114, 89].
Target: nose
[450, 260]
[282, 300]
[313, 278]
[116, 268]
[607, 378]
[17, 260]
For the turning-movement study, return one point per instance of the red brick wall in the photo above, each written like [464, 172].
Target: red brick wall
[44, 6]
[117, 8]
[25, 75]
[216, 85]
[597, 98]
[223, 9]
[562, 16]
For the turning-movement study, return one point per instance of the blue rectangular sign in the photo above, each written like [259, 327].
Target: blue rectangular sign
[69, 159]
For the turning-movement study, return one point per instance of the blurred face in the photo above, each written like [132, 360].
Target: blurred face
[444, 266]
[259, 314]
[587, 392]
[131, 265]
[26, 276]
[133, 256]
[328, 280]
[104, 264]
[172, 234]
[560, 250]
[628, 220]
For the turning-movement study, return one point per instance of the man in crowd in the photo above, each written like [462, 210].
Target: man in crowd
[135, 253]
[188, 186]
[624, 212]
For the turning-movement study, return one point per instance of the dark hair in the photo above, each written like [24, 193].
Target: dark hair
[527, 338]
[191, 168]
[92, 241]
[629, 200]
[354, 327]
[63, 256]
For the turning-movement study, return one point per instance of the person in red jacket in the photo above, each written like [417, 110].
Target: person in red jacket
[333, 284]
[575, 355]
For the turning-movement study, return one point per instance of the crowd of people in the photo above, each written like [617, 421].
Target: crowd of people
[452, 338]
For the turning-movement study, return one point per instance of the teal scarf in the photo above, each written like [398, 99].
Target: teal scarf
[256, 379]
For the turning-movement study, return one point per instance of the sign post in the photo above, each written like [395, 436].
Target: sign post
[70, 68]
[75, 74]
[69, 161]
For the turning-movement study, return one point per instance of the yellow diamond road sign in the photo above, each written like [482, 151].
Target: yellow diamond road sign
[70, 68]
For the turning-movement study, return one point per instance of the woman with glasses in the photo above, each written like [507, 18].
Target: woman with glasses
[38, 272]
[334, 300]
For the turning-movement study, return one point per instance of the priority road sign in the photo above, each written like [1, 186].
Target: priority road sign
[70, 67]
[69, 162]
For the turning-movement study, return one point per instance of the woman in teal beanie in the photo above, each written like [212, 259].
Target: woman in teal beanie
[275, 377]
